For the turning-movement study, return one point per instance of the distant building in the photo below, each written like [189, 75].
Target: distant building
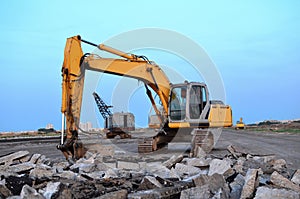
[89, 126]
[125, 121]
[86, 126]
[49, 126]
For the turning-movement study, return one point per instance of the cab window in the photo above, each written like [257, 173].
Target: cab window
[195, 102]
[178, 103]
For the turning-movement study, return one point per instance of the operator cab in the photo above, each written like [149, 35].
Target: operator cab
[188, 105]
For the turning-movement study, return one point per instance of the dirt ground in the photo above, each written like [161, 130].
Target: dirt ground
[283, 145]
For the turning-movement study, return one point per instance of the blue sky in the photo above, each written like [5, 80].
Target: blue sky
[254, 44]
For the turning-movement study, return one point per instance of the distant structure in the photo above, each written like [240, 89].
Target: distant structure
[124, 121]
[112, 121]
[115, 124]
[86, 126]
[49, 126]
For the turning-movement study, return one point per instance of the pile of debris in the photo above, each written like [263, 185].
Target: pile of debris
[237, 175]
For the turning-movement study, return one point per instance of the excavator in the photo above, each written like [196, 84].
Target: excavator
[186, 107]
[240, 124]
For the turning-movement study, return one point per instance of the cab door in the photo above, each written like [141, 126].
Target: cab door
[198, 105]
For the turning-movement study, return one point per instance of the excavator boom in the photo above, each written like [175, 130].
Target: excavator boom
[73, 73]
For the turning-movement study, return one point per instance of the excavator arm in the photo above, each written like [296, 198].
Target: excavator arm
[73, 74]
[148, 73]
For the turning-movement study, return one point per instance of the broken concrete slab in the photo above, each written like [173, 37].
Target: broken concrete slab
[41, 171]
[120, 194]
[251, 182]
[264, 179]
[41, 160]
[142, 165]
[127, 185]
[14, 197]
[164, 182]
[186, 171]
[128, 165]
[61, 166]
[278, 164]
[125, 174]
[164, 192]
[30, 193]
[229, 173]
[265, 158]
[22, 168]
[104, 166]
[221, 195]
[96, 175]
[231, 150]
[83, 167]
[219, 166]
[89, 154]
[251, 163]
[4, 191]
[5, 172]
[238, 150]
[24, 159]
[34, 158]
[147, 194]
[8, 159]
[98, 158]
[149, 182]
[237, 186]
[156, 169]
[197, 162]
[111, 173]
[239, 165]
[296, 177]
[86, 189]
[266, 192]
[202, 192]
[280, 181]
[215, 182]
[52, 190]
[90, 160]
[67, 175]
[172, 161]
[111, 165]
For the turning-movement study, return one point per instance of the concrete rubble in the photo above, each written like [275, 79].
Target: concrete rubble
[296, 177]
[251, 183]
[236, 175]
[265, 192]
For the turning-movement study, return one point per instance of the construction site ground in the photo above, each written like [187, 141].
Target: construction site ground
[282, 145]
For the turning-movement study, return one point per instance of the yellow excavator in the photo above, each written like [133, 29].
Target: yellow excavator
[186, 107]
[240, 124]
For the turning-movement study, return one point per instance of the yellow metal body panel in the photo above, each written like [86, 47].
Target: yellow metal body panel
[240, 126]
[220, 116]
[179, 125]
